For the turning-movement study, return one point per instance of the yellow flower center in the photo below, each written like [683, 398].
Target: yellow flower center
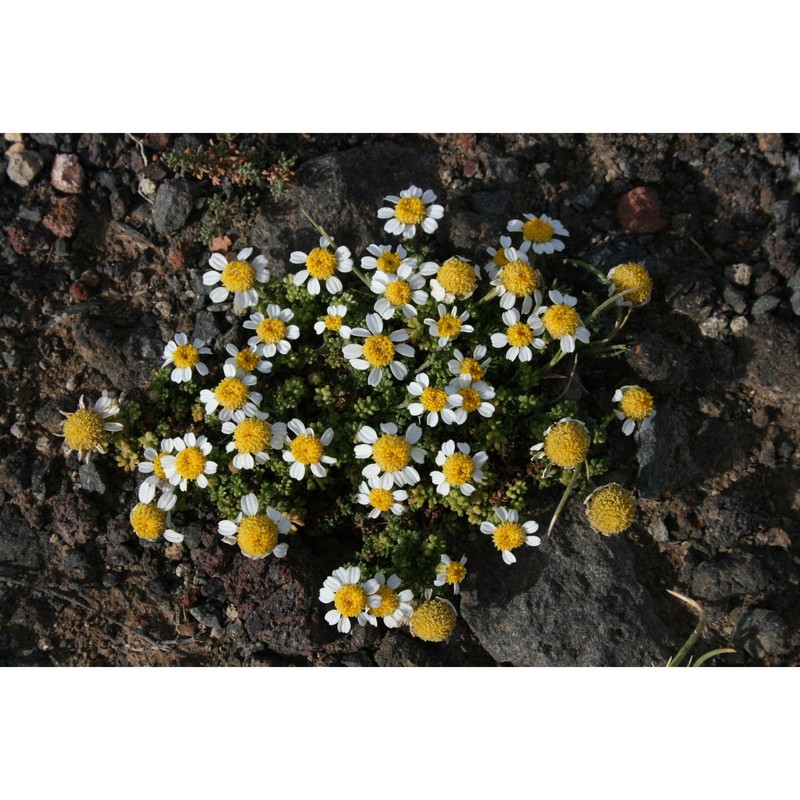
[457, 277]
[538, 231]
[611, 509]
[333, 322]
[381, 499]
[252, 435]
[246, 360]
[519, 278]
[499, 258]
[148, 521]
[238, 276]
[508, 535]
[561, 320]
[636, 403]
[471, 367]
[390, 600]
[231, 393]
[271, 330]
[185, 355]
[350, 600]
[391, 453]
[83, 430]
[410, 210]
[458, 468]
[455, 572]
[378, 350]
[433, 399]
[158, 470]
[257, 536]
[519, 334]
[321, 263]
[398, 292]
[449, 325]
[307, 449]
[567, 444]
[471, 399]
[633, 276]
[190, 463]
[389, 262]
[433, 621]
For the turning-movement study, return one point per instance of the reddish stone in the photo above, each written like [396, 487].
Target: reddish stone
[79, 291]
[155, 172]
[639, 211]
[157, 141]
[470, 167]
[62, 216]
[21, 240]
[466, 141]
[67, 174]
[769, 142]
[176, 257]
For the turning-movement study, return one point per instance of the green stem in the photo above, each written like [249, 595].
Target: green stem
[564, 498]
[706, 656]
[690, 642]
[611, 301]
[363, 277]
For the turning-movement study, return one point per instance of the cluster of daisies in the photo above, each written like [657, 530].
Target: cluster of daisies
[380, 344]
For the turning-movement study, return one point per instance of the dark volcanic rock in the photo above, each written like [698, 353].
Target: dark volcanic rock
[400, 649]
[15, 471]
[174, 203]
[573, 601]
[762, 633]
[663, 454]
[771, 360]
[729, 576]
[20, 545]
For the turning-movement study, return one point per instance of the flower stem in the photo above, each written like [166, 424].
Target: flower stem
[564, 498]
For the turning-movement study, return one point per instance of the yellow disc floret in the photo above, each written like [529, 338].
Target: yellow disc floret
[455, 572]
[391, 453]
[499, 258]
[610, 509]
[633, 276]
[390, 600]
[185, 355]
[433, 621]
[307, 449]
[190, 463]
[471, 400]
[398, 292]
[231, 393]
[389, 262]
[561, 320]
[636, 403]
[332, 322]
[471, 367]
[148, 521]
[410, 210]
[350, 600]
[508, 535]
[252, 435]
[519, 278]
[519, 334]
[449, 325]
[378, 350]
[321, 263]
[246, 360]
[538, 231]
[238, 276]
[381, 499]
[433, 399]
[271, 330]
[158, 470]
[257, 536]
[84, 430]
[458, 468]
[457, 277]
[566, 443]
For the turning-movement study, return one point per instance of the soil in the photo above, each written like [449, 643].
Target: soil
[100, 265]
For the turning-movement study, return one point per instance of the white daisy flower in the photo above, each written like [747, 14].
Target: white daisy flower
[434, 402]
[307, 450]
[247, 359]
[251, 438]
[378, 351]
[152, 520]
[391, 454]
[459, 468]
[470, 368]
[334, 321]
[190, 463]
[516, 279]
[456, 279]
[379, 492]
[383, 259]
[395, 608]
[349, 596]
[449, 325]
[498, 255]
[519, 336]
[322, 265]
[510, 534]
[185, 357]
[636, 406]
[232, 394]
[412, 208]
[403, 291]
[151, 467]
[85, 429]
[450, 572]
[540, 232]
[562, 322]
[256, 534]
[472, 396]
[273, 334]
[239, 276]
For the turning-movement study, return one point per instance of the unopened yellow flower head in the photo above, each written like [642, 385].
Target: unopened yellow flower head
[566, 443]
[433, 620]
[610, 509]
[148, 521]
[631, 276]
